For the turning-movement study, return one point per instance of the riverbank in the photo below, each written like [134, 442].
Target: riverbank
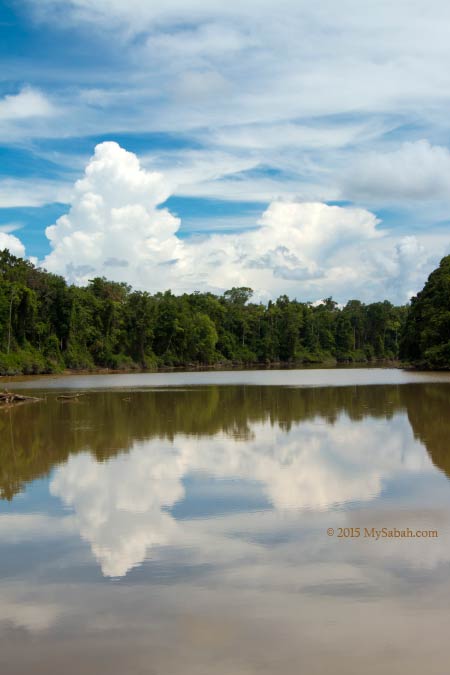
[199, 367]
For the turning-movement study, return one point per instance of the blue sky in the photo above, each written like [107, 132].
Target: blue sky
[247, 121]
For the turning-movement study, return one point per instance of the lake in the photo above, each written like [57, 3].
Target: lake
[227, 523]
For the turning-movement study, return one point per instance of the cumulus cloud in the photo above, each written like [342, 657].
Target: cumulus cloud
[12, 243]
[114, 211]
[418, 171]
[117, 227]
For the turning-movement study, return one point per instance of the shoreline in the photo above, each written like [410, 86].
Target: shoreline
[222, 367]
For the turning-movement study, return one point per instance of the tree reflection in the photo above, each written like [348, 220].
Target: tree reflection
[428, 408]
[36, 438]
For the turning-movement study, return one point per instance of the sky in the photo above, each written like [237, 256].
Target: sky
[293, 147]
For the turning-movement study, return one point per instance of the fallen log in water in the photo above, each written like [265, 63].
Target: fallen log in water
[9, 398]
[69, 397]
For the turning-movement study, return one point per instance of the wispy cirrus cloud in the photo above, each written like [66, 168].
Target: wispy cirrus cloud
[299, 102]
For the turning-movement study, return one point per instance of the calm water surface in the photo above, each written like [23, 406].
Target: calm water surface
[177, 524]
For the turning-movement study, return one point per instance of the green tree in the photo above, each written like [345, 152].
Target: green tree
[425, 339]
[47, 325]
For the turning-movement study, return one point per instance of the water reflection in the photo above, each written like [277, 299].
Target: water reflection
[36, 438]
[121, 504]
[226, 493]
[124, 461]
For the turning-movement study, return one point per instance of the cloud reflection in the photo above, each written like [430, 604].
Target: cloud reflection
[122, 506]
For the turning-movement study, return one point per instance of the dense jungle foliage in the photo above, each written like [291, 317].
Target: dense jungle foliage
[47, 326]
[425, 339]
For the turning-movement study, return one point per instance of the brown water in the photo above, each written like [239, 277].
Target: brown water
[177, 524]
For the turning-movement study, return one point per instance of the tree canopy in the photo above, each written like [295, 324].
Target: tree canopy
[426, 336]
[47, 325]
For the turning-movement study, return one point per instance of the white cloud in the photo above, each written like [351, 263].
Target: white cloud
[308, 250]
[303, 88]
[287, 135]
[281, 63]
[114, 212]
[11, 242]
[415, 171]
[297, 58]
[10, 227]
[15, 192]
[198, 85]
[25, 115]
[27, 103]
[203, 40]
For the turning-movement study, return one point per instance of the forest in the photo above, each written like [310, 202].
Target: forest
[48, 326]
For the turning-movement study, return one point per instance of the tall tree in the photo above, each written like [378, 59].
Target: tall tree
[425, 339]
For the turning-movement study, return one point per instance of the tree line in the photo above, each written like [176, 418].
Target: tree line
[47, 325]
